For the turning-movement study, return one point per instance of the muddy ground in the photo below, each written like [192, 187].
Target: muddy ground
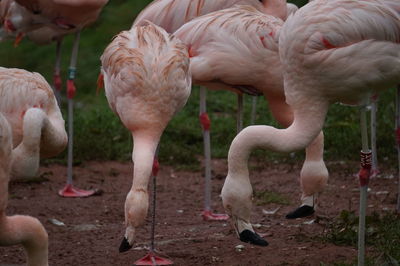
[93, 227]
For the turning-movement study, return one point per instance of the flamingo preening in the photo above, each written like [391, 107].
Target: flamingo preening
[51, 20]
[28, 103]
[331, 51]
[147, 80]
[18, 229]
[171, 15]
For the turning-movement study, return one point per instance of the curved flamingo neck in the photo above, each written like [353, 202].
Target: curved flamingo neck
[29, 232]
[305, 128]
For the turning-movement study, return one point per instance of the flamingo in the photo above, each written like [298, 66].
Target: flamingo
[147, 80]
[238, 48]
[28, 103]
[172, 14]
[331, 51]
[15, 20]
[18, 229]
[64, 17]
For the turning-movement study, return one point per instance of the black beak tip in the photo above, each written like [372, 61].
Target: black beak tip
[248, 236]
[125, 246]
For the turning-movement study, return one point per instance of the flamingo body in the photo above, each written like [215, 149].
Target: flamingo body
[28, 103]
[147, 80]
[331, 51]
[172, 14]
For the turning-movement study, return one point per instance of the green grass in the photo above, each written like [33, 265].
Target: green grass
[383, 233]
[266, 197]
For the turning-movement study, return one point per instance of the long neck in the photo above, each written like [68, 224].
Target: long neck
[34, 121]
[307, 124]
[276, 8]
[144, 148]
[30, 233]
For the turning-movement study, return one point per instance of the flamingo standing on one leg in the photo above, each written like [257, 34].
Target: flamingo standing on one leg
[147, 80]
[172, 14]
[238, 48]
[324, 61]
[18, 229]
[28, 103]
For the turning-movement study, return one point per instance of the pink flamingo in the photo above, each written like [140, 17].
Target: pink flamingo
[233, 48]
[147, 80]
[18, 229]
[28, 103]
[331, 51]
[172, 14]
[64, 17]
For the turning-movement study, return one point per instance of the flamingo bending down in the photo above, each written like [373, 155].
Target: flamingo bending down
[238, 48]
[172, 14]
[147, 80]
[28, 103]
[331, 51]
[18, 229]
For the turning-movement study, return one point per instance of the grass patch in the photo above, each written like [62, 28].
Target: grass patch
[382, 233]
[266, 197]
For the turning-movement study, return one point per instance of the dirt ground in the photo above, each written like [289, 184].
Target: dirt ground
[93, 227]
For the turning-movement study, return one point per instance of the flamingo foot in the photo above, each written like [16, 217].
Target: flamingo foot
[125, 246]
[153, 259]
[248, 236]
[300, 212]
[70, 191]
[209, 216]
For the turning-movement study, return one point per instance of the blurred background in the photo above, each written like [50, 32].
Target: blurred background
[99, 135]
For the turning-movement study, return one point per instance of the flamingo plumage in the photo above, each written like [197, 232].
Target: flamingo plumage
[238, 48]
[18, 229]
[172, 14]
[147, 80]
[331, 51]
[28, 103]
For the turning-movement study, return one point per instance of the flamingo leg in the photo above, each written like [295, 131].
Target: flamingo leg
[57, 82]
[253, 110]
[151, 258]
[205, 124]
[364, 176]
[69, 190]
[374, 108]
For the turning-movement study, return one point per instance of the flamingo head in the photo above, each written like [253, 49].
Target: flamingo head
[136, 206]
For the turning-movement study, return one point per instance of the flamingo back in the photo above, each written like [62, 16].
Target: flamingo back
[146, 76]
[172, 14]
[343, 47]
[74, 13]
[237, 46]
[21, 90]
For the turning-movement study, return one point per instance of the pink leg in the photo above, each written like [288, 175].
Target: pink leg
[206, 124]
[152, 258]
[69, 190]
